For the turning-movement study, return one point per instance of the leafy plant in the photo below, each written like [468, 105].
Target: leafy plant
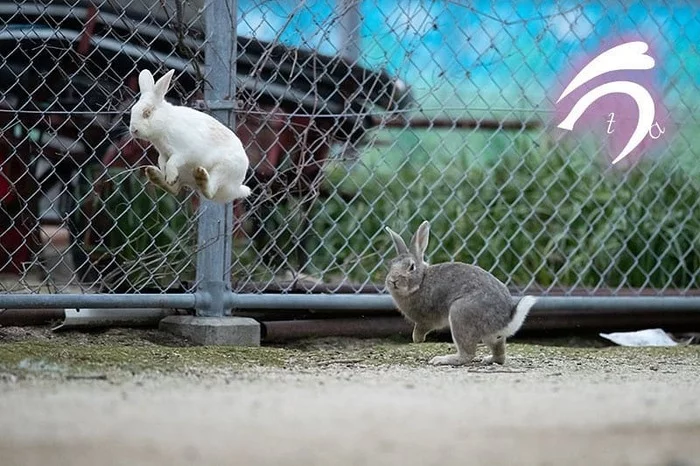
[541, 214]
[135, 235]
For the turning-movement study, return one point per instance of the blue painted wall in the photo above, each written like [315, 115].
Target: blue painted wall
[492, 54]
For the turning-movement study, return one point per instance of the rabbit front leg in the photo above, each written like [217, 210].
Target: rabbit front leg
[419, 333]
[159, 175]
[172, 169]
[162, 160]
[155, 175]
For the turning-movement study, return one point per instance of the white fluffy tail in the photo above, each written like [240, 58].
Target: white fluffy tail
[521, 312]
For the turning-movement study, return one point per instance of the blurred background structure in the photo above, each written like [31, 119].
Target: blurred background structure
[356, 114]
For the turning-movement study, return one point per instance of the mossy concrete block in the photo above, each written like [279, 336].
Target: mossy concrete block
[214, 331]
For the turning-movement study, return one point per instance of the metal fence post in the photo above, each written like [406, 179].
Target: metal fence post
[350, 22]
[216, 220]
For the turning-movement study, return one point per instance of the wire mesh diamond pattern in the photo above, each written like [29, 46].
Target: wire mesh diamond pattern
[355, 115]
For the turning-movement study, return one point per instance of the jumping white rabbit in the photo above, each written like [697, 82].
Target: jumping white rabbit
[194, 148]
[472, 302]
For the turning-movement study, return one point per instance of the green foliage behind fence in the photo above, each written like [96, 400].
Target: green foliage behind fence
[539, 213]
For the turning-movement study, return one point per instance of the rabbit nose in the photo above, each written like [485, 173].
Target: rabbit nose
[133, 131]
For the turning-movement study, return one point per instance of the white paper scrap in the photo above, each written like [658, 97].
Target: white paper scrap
[650, 337]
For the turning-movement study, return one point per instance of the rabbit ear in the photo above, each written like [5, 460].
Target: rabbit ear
[163, 84]
[145, 81]
[419, 242]
[398, 242]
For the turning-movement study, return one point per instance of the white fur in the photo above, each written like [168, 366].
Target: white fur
[195, 149]
[521, 312]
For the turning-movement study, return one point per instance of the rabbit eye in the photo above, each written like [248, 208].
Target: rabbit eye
[412, 267]
[147, 112]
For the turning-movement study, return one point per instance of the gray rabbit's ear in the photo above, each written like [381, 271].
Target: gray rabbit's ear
[419, 242]
[398, 242]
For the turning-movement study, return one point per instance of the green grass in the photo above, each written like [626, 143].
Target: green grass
[66, 357]
[143, 236]
[120, 351]
[538, 212]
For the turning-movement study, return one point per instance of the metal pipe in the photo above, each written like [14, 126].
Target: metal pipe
[617, 303]
[578, 322]
[375, 323]
[302, 286]
[545, 323]
[27, 301]
[344, 302]
[26, 317]
[383, 302]
[92, 318]
[310, 301]
[538, 320]
[373, 327]
[459, 123]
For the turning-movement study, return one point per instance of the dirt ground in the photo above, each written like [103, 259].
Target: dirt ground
[141, 397]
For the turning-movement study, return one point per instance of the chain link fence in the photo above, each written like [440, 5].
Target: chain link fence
[355, 115]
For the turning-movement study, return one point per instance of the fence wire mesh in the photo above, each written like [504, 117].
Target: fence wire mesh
[355, 115]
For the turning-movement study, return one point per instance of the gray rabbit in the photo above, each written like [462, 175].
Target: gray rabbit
[471, 301]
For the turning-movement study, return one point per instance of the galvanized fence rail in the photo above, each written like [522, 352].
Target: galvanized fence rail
[355, 115]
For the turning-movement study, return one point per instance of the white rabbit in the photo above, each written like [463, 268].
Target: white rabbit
[194, 148]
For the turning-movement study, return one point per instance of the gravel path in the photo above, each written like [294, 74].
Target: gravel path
[615, 409]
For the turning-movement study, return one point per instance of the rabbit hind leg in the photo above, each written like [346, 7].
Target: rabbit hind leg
[497, 345]
[218, 186]
[203, 182]
[463, 337]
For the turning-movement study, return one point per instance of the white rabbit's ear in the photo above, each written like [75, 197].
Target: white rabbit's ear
[145, 81]
[398, 242]
[163, 84]
[419, 242]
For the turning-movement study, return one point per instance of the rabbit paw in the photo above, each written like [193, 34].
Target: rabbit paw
[450, 360]
[153, 174]
[493, 360]
[201, 179]
[419, 334]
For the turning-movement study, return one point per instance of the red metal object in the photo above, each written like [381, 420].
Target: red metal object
[17, 232]
[270, 135]
[88, 30]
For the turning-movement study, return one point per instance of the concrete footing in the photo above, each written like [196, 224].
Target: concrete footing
[214, 331]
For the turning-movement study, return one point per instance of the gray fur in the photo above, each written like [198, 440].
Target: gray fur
[471, 301]
[398, 241]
